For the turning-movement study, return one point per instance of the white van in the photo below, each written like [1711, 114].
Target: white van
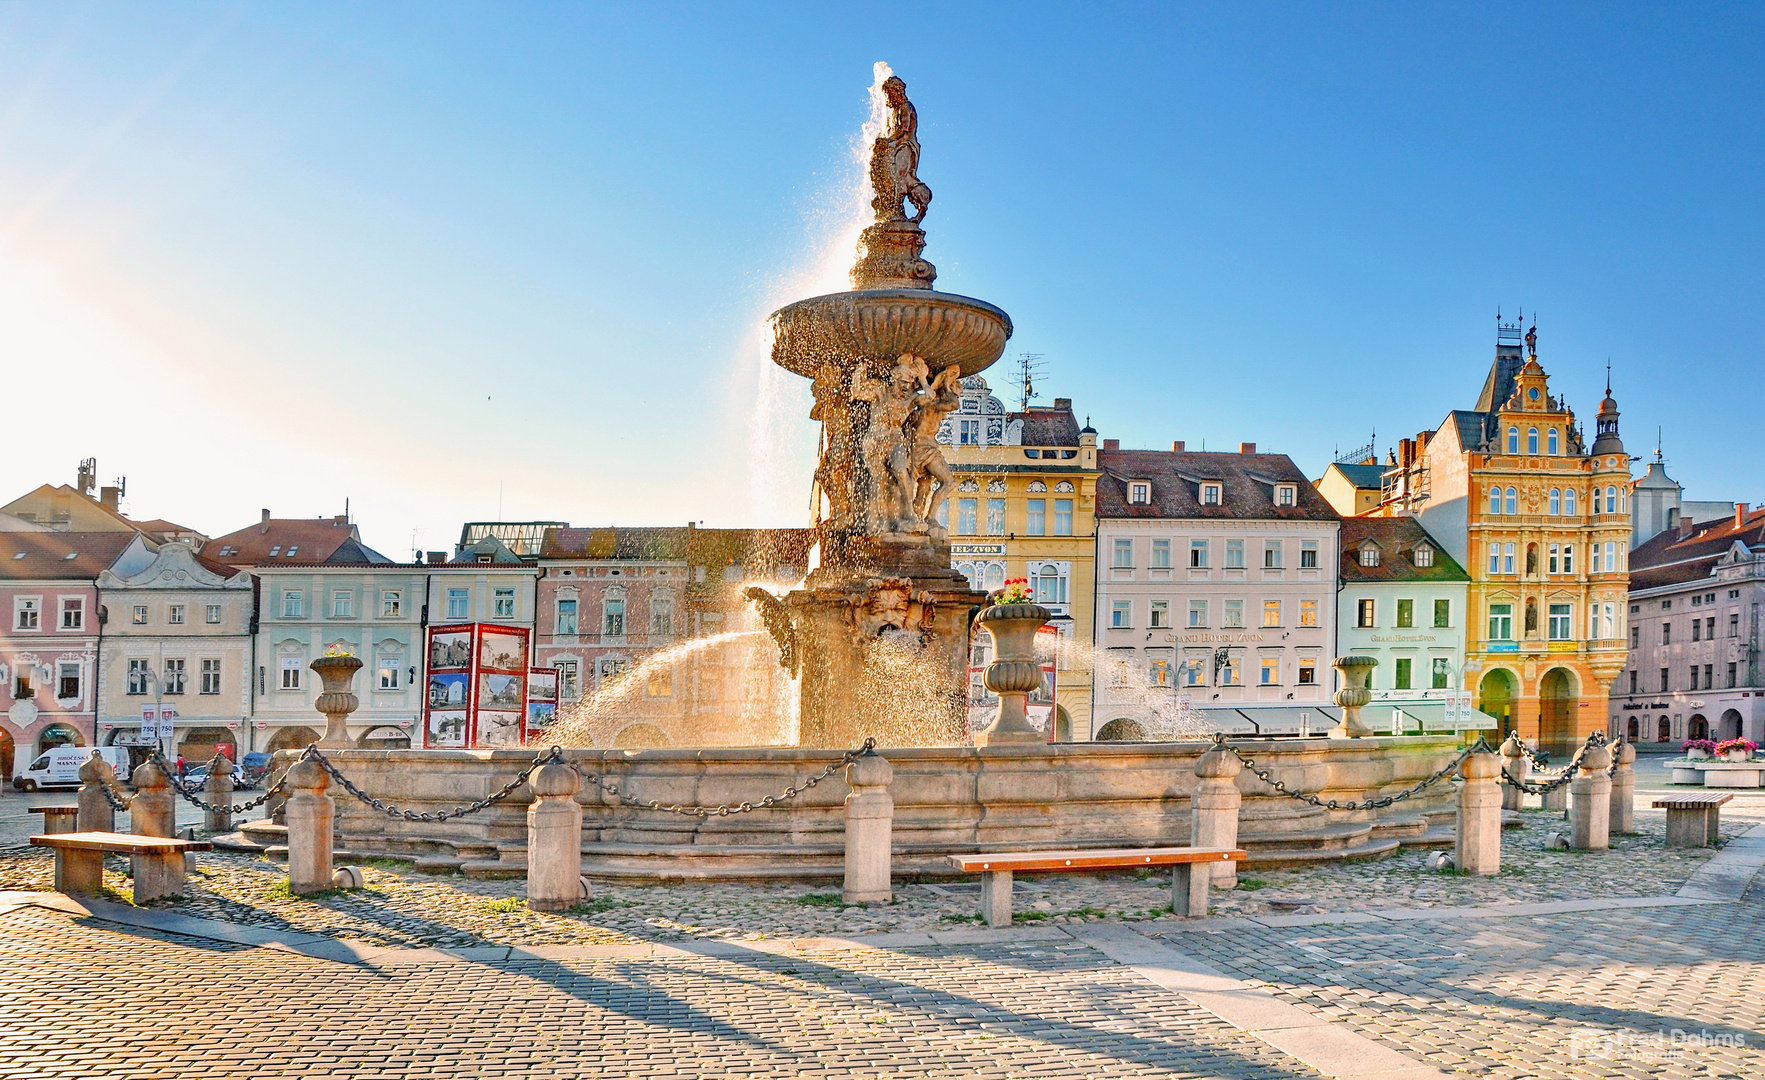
[60, 767]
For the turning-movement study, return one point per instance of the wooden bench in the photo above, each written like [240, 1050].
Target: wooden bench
[1692, 820]
[58, 819]
[1189, 887]
[156, 861]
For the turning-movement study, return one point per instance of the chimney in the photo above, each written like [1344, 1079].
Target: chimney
[437, 558]
[1177, 447]
[1686, 524]
[1740, 515]
[1063, 403]
[263, 525]
[340, 519]
[1112, 444]
[1247, 448]
[110, 497]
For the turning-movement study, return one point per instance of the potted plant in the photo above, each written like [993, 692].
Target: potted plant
[1737, 749]
[1012, 616]
[1699, 749]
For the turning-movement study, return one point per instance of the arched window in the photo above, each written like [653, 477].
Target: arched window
[1495, 500]
[1513, 440]
[1556, 502]
[1532, 440]
[1622, 501]
[1569, 502]
[1551, 442]
[1513, 501]
[1611, 500]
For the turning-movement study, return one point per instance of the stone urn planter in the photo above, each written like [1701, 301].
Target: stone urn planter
[1014, 671]
[1354, 695]
[337, 701]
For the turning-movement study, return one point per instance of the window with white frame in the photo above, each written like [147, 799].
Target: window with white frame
[210, 675]
[1507, 558]
[1123, 554]
[1568, 558]
[1551, 442]
[1231, 673]
[138, 615]
[1035, 516]
[1569, 502]
[1271, 613]
[67, 683]
[1062, 517]
[502, 603]
[996, 516]
[1308, 613]
[1369, 555]
[291, 668]
[342, 604]
[965, 516]
[1511, 501]
[1271, 671]
[1366, 613]
[567, 616]
[1532, 440]
[174, 614]
[1308, 671]
[1285, 494]
[1121, 614]
[1198, 554]
[1158, 667]
[613, 617]
[390, 667]
[457, 603]
[1194, 671]
[1424, 555]
[662, 615]
[1556, 502]
[1160, 615]
[1210, 494]
[1501, 622]
[73, 612]
[1197, 613]
[1161, 555]
[1234, 554]
[175, 674]
[569, 679]
[1495, 500]
[391, 603]
[27, 612]
[1139, 493]
[1048, 582]
[1308, 554]
[1513, 440]
[212, 614]
[1232, 615]
[1271, 554]
[1561, 618]
[140, 674]
[1553, 559]
[291, 605]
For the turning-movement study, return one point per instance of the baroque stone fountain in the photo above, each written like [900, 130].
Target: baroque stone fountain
[879, 631]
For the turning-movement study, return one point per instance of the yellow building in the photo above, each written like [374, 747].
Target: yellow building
[1025, 506]
[1541, 521]
[1352, 488]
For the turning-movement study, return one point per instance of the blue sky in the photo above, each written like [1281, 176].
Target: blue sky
[437, 259]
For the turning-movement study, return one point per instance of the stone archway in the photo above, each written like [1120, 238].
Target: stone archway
[1664, 730]
[1730, 724]
[58, 735]
[1633, 730]
[1697, 727]
[199, 745]
[1121, 730]
[1495, 696]
[1557, 697]
[1062, 724]
[292, 738]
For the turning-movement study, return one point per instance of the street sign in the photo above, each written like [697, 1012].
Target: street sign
[167, 713]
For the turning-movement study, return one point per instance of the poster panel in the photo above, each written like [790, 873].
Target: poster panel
[542, 700]
[502, 648]
[450, 648]
[446, 729]
[498, 730]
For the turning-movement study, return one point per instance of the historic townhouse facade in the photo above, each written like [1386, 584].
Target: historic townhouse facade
[1541, 521]
[49, 647]
[1697, 592]
[1403, 602]
[178, 633]
[1025, 506]
[738, 694]
[1216, 593]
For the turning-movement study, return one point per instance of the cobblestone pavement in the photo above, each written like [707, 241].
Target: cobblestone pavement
[104, 1003]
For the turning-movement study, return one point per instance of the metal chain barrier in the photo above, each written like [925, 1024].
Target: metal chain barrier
[190, 795]
[556, 754]
[1541, 768]
[117, 800]
[1568, 774]
[726, 809]
[1336, 804]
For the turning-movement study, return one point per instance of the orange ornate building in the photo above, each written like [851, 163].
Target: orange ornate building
[1542, 523]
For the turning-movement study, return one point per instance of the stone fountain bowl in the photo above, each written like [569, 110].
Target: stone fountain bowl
[943, 329]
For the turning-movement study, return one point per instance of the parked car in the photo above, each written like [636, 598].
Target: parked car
[257, 767]
[60, 767]
[197, 777]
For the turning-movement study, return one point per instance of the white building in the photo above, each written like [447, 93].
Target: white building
[1216, 593]
[1402, 602]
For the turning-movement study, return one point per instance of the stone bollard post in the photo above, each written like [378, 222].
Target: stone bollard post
[1623, 819]
[1214, 810]
[1519, 766]
[554, 838]
[309, 814]
[1590, 820]
[1477, 849]
[219, 792]
[870, 814]
[96, 813]
[150, 811]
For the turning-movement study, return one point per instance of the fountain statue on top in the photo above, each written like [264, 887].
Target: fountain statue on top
[880, 630]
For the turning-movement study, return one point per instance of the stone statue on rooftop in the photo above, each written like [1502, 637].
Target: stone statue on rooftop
[894, 160]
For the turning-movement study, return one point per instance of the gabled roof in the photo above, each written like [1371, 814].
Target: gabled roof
[1498, 385]
[1247, 486]
[40, 556]
[1667, 560]
[657, 544]
[293, 541]
[1048, 425]
[1397, 539]
[486, 549]
[759, 549]
[191, 570]
[1361, 476]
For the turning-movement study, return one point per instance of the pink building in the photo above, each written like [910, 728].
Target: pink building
[49, 644]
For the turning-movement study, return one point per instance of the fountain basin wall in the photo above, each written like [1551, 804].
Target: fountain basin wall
[947, 799]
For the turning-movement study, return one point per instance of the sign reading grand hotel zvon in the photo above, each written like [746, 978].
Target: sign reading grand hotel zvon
[1222, 639]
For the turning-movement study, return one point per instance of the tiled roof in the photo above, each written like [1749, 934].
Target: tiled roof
[760, 548]
[1247, 482]
[292, 541]
[1396, 539]
[1361, 476]
[1048, 425]
[661, 543]
[27, 556]
[1473, 428]
[1667, 560]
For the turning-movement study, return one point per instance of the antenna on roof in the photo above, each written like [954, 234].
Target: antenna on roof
[1029, 365]
[1608, 376]
[1657, 444]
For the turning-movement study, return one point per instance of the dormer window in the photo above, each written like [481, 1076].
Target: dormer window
[1424, 555]
[1139, 493]
[1285, 494]
[1369, 556]
[1210, 494]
